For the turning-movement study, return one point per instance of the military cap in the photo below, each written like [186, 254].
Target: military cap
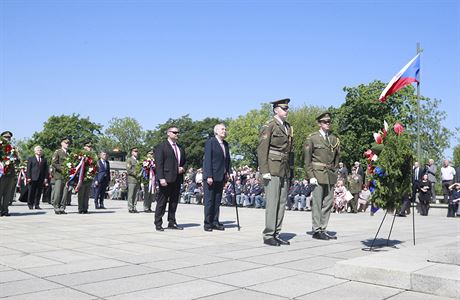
[325, 116]
[7, 134]
[283, 103]
[66, 138]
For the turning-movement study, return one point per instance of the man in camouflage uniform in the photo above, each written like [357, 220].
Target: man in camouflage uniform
[133, 182]
[7, 183]
[60, 189]
[322, 154]
[274, 154]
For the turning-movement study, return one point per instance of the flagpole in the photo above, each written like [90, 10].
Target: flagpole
[418, 111]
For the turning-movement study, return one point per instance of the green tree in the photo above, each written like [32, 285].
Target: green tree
[78, 129]
[122, 133]
[362, 114]
[456, 156]
[243, 135]
[303, 122]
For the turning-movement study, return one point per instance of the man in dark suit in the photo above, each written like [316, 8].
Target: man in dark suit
[37, 176]
[101, 181]
[170, 160]
[417, 174]
[216, 168]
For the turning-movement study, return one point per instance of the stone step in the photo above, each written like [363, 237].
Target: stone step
[428, 268]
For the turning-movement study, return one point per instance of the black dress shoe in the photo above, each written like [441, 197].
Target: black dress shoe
[207, 229]
[38, 207]
[57, 212]
[148, 211]
[175, 227]
[159, 228]
[5, 214]
[281, 241]
[102, 207]
[218, 227]
[271, 242]
[320, 236]
[330, 236]
[31, 207]
[63, 213]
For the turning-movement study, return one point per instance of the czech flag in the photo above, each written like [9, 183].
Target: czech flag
[407, 75]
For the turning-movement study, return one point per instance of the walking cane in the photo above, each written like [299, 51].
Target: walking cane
[236, 205]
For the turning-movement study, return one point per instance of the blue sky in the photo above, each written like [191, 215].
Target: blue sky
[154, 60]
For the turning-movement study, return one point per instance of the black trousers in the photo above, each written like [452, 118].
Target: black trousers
[212, 200]
[35, 193]
[169, 193]
[100, 194]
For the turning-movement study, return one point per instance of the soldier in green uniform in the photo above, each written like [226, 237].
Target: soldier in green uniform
[7, 183]
[274, 154]
[60, 189]
[84, 190]
[149, 190]
[322, 154]
[133, 181]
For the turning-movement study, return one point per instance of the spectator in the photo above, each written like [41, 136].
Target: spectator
[431, 171]
[306, 191]
[256, 194]
[340, 201]
[453, 208]
[424, 195]
[447, 178]
[342, 172]
[355, 182]
[363, 200]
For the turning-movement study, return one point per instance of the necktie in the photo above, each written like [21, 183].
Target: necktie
[223, 148]
[39, 159]
[175, 152]
[326, 136]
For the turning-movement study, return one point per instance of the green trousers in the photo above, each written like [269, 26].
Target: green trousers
[6, 192]
[148, 197]
[59, 199]
[276, 192]
[133, 188]
[321, 206]
[83, 196]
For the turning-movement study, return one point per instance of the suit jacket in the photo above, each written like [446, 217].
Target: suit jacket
[322, 158]
[37, 171]
[215, 164]
[103, 172]
[167, 166]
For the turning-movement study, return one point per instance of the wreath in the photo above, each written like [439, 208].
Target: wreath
[79, 167]
[8, 156]
[146, 171]
[389, 167]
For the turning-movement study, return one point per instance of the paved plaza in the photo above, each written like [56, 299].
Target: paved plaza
[112, 254]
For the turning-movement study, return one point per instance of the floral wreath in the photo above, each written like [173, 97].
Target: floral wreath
[80, 167]
[146, 171]
[8, 156]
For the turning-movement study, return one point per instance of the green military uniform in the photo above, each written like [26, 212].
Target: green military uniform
[355, 184]
[322, 154]
[7, 183]
[273, 153]
[60, 189]
[133, 183]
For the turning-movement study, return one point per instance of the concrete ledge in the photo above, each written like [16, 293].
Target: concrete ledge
[409, 269]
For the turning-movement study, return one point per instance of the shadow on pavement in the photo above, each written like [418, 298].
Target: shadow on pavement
[287, 235]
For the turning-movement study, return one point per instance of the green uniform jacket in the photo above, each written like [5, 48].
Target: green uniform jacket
[131, 169]
[275, 149]
[57, 163]
[355, 183]
[322, 158]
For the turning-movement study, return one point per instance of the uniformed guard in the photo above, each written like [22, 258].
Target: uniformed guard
[7, 182]
[322, 154]
[60, 189]
[133, 182]
[84, 190]
[274, 154]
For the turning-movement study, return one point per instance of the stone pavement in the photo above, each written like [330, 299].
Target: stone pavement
[111, 254]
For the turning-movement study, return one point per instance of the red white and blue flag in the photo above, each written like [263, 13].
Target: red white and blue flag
[407, 75]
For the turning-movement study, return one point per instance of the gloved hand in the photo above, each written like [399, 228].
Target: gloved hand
[267, 176]
[313, 181]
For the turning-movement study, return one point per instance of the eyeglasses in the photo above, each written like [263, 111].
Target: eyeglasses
[326, 122]
[135, 150]
[175, 132]
[285, 108]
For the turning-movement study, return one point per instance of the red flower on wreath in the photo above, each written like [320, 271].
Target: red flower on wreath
[398, 128]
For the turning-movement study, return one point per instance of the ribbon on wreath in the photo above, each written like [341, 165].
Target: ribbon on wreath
[22, 175]
[80, 169]
[152, 179]
[2, 170]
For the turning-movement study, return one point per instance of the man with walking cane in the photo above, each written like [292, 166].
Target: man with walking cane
[274, 154]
